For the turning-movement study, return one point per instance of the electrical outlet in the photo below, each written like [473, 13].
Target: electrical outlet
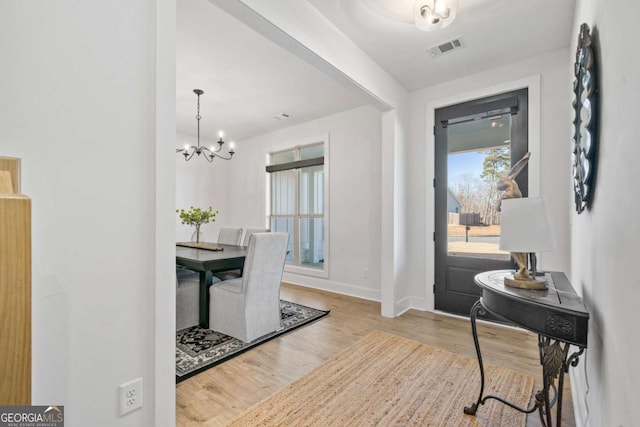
[365, 273]
[130, 396]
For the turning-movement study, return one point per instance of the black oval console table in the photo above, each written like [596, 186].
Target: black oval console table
[559, 317]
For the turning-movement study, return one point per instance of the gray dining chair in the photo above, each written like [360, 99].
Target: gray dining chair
[227, 236]
[248, 307]
[234, 274]
[187, 298]
[230, 236]
[251, 231]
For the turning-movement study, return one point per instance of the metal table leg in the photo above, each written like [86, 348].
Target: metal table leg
[555, 363]
[471, 410]
[555, 360]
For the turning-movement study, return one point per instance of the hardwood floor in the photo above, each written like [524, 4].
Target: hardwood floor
[217, 395]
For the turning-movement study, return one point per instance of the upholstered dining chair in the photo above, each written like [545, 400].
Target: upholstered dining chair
[248, 307]
[230, 236]
[227, 236]
[251, 231]
[234, 274]
[187, 298]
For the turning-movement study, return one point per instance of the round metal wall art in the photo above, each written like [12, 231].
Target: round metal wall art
[585, 110]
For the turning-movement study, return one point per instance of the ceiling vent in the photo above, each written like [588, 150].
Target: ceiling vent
[282, 116]
[446, 47]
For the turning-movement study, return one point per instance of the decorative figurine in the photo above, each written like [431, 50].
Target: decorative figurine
[511, 190]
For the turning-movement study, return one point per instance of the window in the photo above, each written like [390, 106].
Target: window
[297, 206]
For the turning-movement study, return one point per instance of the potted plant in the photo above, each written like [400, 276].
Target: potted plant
[196, 217]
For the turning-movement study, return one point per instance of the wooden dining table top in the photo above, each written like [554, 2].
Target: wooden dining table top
[230, 257]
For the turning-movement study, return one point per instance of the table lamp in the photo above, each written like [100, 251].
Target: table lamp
[525, 230]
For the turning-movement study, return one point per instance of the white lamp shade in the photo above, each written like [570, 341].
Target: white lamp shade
[524, 226]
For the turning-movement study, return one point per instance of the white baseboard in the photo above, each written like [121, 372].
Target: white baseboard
[401, 306]
[410, 303]
[578, 393]
[330, 286]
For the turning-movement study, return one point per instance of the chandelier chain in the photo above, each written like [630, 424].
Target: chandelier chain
[198, 119]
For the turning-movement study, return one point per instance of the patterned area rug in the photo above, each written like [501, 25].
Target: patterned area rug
[198, 349]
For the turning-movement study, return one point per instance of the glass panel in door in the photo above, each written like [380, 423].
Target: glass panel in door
[479, 154]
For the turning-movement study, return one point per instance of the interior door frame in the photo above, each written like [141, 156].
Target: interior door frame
[532, 83]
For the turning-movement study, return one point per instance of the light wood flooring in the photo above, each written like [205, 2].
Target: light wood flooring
[217, 395]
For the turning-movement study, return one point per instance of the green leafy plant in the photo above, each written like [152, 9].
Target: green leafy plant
[196, 217]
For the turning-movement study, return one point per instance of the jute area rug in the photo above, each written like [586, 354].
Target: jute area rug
[386, 380]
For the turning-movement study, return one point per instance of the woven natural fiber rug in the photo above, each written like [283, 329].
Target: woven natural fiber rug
[386, 380]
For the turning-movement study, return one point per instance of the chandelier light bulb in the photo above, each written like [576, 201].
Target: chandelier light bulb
[431, 17]
[440, 7]
[434, 14]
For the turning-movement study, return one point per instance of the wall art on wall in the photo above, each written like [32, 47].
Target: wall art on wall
[585, 120]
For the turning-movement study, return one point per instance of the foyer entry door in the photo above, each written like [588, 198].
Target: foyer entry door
[476, 143]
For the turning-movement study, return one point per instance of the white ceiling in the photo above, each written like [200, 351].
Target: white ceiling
[495, 32]
[247, 79]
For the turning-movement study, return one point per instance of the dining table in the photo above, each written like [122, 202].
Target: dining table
[207, 258]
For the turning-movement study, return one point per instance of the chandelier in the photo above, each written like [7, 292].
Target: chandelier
[209, 153]
[433, 14]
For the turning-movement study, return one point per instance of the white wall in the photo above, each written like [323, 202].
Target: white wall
[554, 158]
[403, 205]
[201, 184]
[354, 194]
[605, 238]
[78, 106]
[302, 30]
[162, 389]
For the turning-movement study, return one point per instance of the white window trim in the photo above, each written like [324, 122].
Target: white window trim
[320, 139]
